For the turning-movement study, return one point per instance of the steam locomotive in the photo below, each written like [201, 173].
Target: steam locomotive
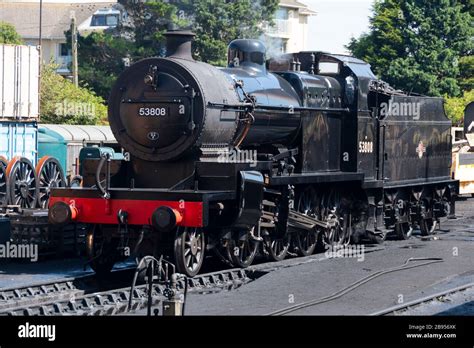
[264, 156]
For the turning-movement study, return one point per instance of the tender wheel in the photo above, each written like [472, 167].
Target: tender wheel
[3, 186]
[305, 241]
[277, 249]
[22, 182]
[189, 247]
[427, 222]
[404, 227]
[50, 176]
[243, 251]
[403, 230]
[101, 251]
[427, 226]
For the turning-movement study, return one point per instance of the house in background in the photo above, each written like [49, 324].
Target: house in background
[56, 20]
[290, 32]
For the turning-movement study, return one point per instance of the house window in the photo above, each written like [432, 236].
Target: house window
[105, 20]
[64, 50]
[282, 13]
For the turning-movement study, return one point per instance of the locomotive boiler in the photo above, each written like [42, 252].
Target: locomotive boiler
[258, 158]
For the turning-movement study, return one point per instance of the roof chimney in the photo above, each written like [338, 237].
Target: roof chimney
[178, 44]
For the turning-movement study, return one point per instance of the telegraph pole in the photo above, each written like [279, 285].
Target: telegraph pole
[75, 78]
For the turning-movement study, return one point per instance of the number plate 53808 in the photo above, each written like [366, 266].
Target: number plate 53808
[154, 112]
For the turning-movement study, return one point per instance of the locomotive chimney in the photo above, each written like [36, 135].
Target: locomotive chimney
[178, 44]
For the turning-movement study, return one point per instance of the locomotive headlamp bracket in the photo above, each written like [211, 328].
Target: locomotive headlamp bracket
[151, 78]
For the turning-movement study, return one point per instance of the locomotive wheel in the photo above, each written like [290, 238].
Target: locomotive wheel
[102, 253]
[305, 241]
[3, 186]
[277, 248]
[3, 162]
[243, 252]
[50, 176]
[22, 182]
[189, 247]
[337, 216]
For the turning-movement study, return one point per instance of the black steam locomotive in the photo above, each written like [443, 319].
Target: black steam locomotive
[306, 149]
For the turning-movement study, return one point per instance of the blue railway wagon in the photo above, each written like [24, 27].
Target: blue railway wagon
[19, 139]
[65, 142]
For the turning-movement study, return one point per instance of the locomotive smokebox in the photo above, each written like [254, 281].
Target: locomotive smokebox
[179, 44]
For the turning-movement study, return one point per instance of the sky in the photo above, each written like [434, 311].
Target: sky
[336, 22]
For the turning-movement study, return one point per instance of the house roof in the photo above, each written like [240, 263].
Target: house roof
[304, 9]
[56, 18]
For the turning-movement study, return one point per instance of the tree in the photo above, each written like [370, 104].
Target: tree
[466, 73]
[8, 34]
[101, 59]
[102, 56]
[218, 22]
[63, 103]
[455, 107]
[416, 45]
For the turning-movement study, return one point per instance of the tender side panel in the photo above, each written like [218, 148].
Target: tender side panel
[417, 141]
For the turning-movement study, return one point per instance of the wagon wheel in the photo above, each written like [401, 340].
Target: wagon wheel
[335, 212]
[305, 241]
[3, 161]
[22, 182]
[243, 251]
[50, 176]
[3, 186]
[189, 247]
[427, 222]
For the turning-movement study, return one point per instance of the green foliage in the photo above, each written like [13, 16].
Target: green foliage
[63, 103]
[215, 22]
[218, 22]
[8, 34]
[455, 107]
[100, 57]
[466, 76]
[103, 55]
[416, 45]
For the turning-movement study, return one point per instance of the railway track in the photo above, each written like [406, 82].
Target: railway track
[404, 307]
[85, 295]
